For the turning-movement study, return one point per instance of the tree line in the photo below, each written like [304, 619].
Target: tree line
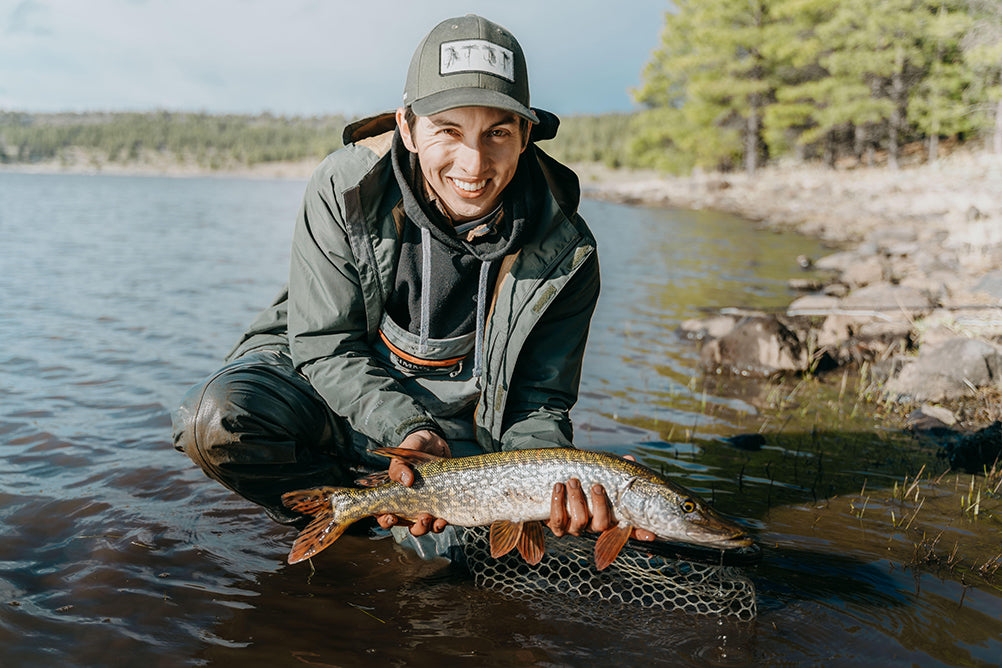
[212, 141]
[733, 84]
[736, 83]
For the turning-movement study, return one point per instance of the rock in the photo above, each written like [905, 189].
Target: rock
[990, 284]
[951, 370]
[976, 452]
[865, 271]
[757, 346]
[888, 301]
[929, 417]
[750, 442]
[813, 305]
[697, 329]
[837, 261]
[805, 284]
[836, 290]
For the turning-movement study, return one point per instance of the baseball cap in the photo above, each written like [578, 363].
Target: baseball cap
[468, 61]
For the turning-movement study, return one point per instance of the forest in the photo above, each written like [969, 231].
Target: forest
[733, 84]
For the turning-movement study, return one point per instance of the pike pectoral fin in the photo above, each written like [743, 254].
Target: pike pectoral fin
[504, 537]
[412, 457]
[532, 543]
[609, 543]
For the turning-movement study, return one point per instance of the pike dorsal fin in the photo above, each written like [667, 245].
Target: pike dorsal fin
[374, 479]
[412, 457]
[532, 543]
[609, 544]
[504, 537]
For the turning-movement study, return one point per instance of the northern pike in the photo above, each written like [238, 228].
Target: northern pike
[511, 491]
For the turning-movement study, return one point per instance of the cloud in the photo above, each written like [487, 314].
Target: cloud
[300, 56]
[29, 16]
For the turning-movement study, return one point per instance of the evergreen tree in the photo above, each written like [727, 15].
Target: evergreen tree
[707, 86]
[982, 47]
[939, 103]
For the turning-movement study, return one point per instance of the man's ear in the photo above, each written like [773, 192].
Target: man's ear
[405, 131]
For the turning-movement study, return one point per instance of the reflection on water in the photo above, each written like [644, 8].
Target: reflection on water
[120, 292]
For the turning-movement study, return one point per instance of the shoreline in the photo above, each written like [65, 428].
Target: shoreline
[929, 235]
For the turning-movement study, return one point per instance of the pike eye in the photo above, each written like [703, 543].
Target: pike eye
[688, 506]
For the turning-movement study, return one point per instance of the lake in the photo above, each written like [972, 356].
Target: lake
[120, 292]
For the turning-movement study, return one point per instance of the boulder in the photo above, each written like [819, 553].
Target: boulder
[952, 370]
[757, 346]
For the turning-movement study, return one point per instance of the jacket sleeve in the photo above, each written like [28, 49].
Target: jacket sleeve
[327, 325]
[547, 375]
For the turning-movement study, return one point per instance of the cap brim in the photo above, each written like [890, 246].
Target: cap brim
[470, 97]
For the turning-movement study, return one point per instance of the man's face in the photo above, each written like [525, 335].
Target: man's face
[467, 155]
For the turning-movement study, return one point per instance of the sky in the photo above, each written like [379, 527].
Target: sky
[301, 57]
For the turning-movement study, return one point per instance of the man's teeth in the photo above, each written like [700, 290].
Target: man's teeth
[470, 187]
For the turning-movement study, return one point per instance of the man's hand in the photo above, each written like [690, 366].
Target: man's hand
[569, 511]
[400, 471]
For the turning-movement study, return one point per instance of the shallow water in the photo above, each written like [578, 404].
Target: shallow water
[120, 292]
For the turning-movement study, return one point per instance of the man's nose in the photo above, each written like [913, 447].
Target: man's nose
[471, 158]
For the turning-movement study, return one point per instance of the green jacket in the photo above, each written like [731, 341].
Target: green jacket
[344, 256]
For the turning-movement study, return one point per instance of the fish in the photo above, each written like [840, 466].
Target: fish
[511, 491]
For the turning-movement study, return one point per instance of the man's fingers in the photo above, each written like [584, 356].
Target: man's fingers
[439, 525]
[422, 524]
[558, 510]
[643, 534]
[577, 507]
[601, 518]
[401, 472]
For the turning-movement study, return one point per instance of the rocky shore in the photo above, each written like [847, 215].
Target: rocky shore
[911, 294]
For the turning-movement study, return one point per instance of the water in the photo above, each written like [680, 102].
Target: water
[117, 293]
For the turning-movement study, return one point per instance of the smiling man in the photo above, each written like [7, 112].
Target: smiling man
[440, 293]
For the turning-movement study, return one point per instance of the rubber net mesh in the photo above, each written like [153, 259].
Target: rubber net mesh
[634, 578]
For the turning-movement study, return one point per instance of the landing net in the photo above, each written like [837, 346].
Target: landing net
[636, 577]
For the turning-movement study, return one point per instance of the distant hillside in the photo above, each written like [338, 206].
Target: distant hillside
[209, 141]
[226, 142]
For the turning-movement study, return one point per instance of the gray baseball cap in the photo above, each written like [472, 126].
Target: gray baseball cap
[468, 62]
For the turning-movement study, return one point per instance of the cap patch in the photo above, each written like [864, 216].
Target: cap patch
[477, 55]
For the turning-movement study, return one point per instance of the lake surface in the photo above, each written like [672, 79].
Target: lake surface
[118, 293]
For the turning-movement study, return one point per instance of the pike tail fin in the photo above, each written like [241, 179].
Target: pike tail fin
[325, 528]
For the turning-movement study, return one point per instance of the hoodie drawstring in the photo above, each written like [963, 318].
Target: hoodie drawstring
[478, 355]
[425, 292]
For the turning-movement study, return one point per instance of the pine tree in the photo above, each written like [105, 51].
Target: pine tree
[707, 86]
[938, 106]
[982, 47]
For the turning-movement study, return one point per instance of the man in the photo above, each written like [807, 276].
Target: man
[440, 292]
